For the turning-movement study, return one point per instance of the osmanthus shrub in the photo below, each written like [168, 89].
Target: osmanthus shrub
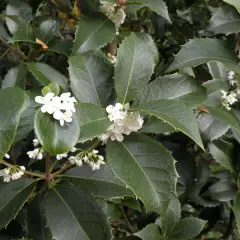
[85, 106]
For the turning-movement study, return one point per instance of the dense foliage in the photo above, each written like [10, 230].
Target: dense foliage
[119, 119]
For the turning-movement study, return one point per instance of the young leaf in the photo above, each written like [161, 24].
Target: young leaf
[150, 232]
[46, 74]
[234, 3]
[204, 50]
[135, 63]
[54, 138]
[93, 120]
[11, 107]
[52, 87]
[225, 20]
[181, 87]
[176, 114]
[90, 78]
[137, 157]
[72, 214]
[187, 228]
[221, 152]
[13, 195]
[93, 33]
[15, 77]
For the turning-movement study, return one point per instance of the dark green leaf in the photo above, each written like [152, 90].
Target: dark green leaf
[13, 195]
[150, 232]
[54, 138]
[176, 114]
[93, 120]
[180, 87]
[236, 210]
[11, 107]
[137, 157]
[90, 77]
[187, 228]
[225, 20]
[15, 77]
[93, 33]
[135, 63]
[221, 152]
[62, 46]
[46, 74]
[72, 214]
[204, 50]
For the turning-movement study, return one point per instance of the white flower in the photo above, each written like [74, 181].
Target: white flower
[224, 94]
[46, 99]
[35, 142]
[60, 156]
[104, 138]
[231, 75]
[78, 161]
[111, 58]
[36, 153]
[72, 160]
[63, 116]
[7, 156]
[6, 178]
[5, 173]
[22, 168]
[73, 149]
[116, 112]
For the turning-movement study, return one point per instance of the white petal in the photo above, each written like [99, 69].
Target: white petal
[39, 99]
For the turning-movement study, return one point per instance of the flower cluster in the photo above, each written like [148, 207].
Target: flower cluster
[114, 12]
[37, 153]
[92, 158]
[232, 78]
[228, 99]
[124, 122]
[12, 173]
[61, 107]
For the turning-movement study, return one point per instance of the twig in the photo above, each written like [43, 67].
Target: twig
[126, 218]
[5, 53]
[48, 167]
[26, 172]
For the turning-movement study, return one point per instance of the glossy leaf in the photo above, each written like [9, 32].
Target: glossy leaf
[93, 33]
[93, 120]
[204, 50]
[150, 232]
[13, 196]
[54, 138]
[175, 114]
[90, 78]
[46, 74]
[217, 70]
[72, 214]
[181, 87]
[137, 157]
[135, 63]
[11, 107]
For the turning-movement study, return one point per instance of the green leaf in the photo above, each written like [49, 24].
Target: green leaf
[46, 74]
[72, 214]
[36, 220]
[225, 20]
[17, 8]
[11, 104]
[90, 78]
[47, 30]
[150, 232]
[221, 152]
[135, 64]
[52, 87]
[137, 157]
[210, 127]
[204, 50]
[54, 138]
[234, 3]
[101, 184]
[181, 87]
[236, 210]
[187, 228]
[93, 33]
[93, 120]
[217, 70]
[62, 46]
[13, 195]
[15, 77]
[175, 114]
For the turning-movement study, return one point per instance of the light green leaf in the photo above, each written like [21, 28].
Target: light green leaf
[181, 87]
[46, 74]
[11, 107]
[54, 138]
[91, 78]
[52, 87]
[135, 64]
[187, 228]
[15, 77]
[137, 157]
[150, 232]
[204, 50]
[225, 20]
[13, 195]
[93, 120]
[175, 114]
[217, 70]
[72, 214]
[234, 3]
[236, 210]
[93, 33]
[221, 152]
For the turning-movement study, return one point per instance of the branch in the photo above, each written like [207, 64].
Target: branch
[48, 167]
